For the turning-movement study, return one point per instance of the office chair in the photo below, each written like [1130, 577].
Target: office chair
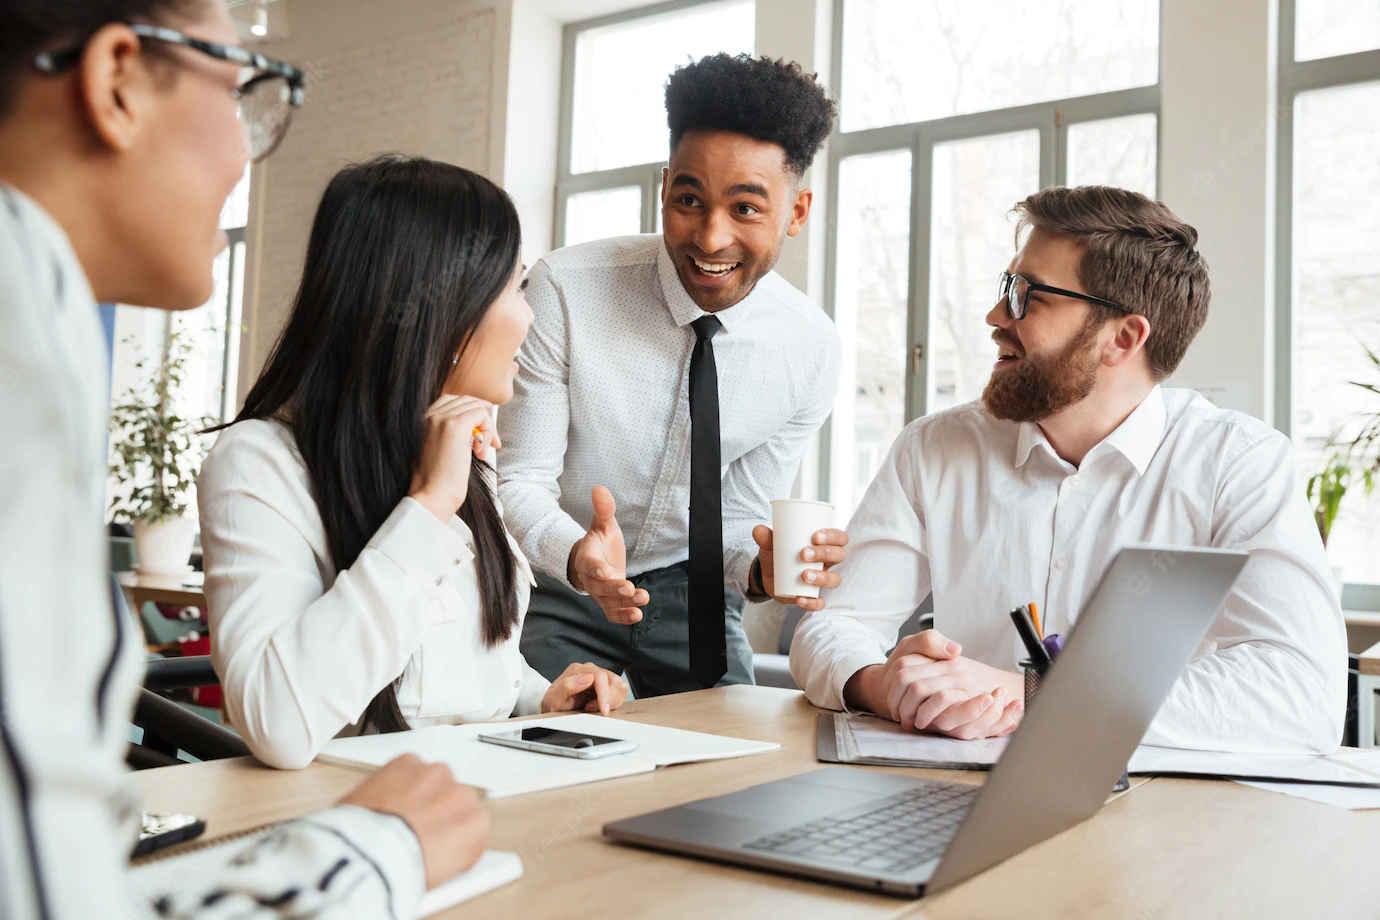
[169, 727]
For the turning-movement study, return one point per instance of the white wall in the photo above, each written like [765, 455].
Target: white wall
[1218, 145]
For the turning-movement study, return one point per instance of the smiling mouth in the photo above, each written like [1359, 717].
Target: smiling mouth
[715, 270]
[1006, 357]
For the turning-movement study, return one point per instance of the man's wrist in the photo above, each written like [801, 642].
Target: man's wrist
[756, 588]
[860, 690]
[570, 574]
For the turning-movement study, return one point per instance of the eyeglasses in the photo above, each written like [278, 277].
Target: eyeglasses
[1015, 290]
[267, 91]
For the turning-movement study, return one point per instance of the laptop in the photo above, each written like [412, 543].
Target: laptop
[908, 836]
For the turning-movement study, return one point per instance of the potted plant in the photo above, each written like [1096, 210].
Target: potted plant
[1350, 459]
[156, 454]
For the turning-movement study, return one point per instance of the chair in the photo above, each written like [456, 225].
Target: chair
[169, 727]
[774, 670]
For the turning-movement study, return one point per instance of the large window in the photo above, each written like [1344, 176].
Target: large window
[1330, 257]
[614, 137]
[950, 112]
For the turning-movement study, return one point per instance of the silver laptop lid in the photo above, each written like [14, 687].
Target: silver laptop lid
[1150, 612]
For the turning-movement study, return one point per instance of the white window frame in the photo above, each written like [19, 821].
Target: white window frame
[646, 176]
[1297, 77]
[1051, 119]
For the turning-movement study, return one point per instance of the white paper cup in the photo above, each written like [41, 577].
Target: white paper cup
[794, 524]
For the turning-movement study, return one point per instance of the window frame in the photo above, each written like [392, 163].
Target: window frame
[1051, 119]
[1296, 77]
[646, 176]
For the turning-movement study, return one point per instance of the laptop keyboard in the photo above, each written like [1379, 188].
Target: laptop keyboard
[890, 835]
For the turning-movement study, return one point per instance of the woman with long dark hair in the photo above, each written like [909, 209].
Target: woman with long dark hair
[358, 573]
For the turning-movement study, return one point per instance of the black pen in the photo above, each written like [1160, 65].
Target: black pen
[1039, 657]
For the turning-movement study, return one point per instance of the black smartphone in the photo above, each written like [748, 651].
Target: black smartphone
[561, 743]
[159, 831]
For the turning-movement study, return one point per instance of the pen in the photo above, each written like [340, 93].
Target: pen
[1054, 644]
[1035, 618]
[1039, 658]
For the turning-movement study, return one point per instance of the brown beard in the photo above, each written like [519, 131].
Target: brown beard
[1038, 387]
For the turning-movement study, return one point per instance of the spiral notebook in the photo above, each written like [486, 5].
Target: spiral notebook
[151, 876]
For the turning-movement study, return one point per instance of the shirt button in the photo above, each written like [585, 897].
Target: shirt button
[1060, 562]
[1073, 480]
[439, 579]
[457, 561]
[517, 683]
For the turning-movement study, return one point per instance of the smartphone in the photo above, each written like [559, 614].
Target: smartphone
[159, 831]
[561, 743]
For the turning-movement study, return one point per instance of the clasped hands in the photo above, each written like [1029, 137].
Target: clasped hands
[927, 685]
[598, 564]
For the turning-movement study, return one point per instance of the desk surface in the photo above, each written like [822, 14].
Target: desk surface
[1167, 848]
[184, 590]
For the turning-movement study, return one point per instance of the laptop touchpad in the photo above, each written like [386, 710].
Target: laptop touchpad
[784, 803]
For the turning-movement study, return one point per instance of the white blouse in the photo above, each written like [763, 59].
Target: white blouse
[300, 650]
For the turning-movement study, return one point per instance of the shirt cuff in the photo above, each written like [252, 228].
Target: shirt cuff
[738, 565]
[843, 671]
[534, 687]
[424, 548]
[390, 843]
[554, 545]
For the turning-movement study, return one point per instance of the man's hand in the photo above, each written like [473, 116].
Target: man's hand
[598, 564]
[827, 546]
[449, 822]
[926, 685]
[585, 686]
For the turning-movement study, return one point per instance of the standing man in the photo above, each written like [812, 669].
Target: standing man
[682, 374]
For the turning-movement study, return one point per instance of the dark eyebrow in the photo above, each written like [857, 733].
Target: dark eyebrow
[748, 188]
[686, 179]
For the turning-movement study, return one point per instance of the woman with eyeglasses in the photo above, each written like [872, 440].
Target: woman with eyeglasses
[124, 124]
[358, 573]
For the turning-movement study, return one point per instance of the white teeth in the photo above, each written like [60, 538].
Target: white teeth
[713, 268]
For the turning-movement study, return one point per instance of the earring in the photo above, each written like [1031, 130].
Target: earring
[455, 360]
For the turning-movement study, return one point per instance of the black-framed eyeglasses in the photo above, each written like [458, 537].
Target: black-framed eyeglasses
[1015, 290]
[267, 92]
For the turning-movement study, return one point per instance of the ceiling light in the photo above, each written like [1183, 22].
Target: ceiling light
[260, 26]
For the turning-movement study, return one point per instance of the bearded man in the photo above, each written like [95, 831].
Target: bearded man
[1073, 451]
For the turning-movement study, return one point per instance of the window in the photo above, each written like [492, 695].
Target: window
[905, 61]
[1330, 259]
[926, 182]
[614, 135]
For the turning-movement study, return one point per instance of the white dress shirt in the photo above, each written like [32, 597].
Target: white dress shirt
[602, 399]
[71, 662]
[986, 515]
[301, 650]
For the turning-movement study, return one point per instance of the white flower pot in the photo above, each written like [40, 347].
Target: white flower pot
[164, 548]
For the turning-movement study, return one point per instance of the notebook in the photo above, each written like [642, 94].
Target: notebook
[501, 771]
[866, 739]
[152, 876]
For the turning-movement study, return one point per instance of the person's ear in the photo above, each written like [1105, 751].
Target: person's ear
[800, 211]
[1132, 332]
[116, 86]
[665, 183]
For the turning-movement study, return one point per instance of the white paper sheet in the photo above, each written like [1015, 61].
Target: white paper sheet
[1328, 769]
[873, 738]
[1354, 798]
[150, 880]
[503, 771]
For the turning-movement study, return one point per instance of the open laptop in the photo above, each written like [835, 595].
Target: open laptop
[907, 836]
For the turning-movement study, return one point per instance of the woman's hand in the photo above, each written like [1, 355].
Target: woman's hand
[458, 429]
[585, 686]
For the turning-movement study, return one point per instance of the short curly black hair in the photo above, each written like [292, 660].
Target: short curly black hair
[765, 98]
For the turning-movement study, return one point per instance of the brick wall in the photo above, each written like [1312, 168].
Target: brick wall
[412, 76]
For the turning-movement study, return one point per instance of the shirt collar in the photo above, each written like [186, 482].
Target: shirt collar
[1136, 439]
[685, 311]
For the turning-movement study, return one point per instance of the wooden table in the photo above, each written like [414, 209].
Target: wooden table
[1167, 848]
[183, 590]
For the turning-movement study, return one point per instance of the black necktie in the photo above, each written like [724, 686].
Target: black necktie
[705, 593]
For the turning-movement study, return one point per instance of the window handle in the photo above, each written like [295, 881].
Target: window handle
[916, 354]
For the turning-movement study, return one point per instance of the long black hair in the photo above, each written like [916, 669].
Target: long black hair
[406, 256]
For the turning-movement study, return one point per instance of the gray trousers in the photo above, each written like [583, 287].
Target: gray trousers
[563, 627]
